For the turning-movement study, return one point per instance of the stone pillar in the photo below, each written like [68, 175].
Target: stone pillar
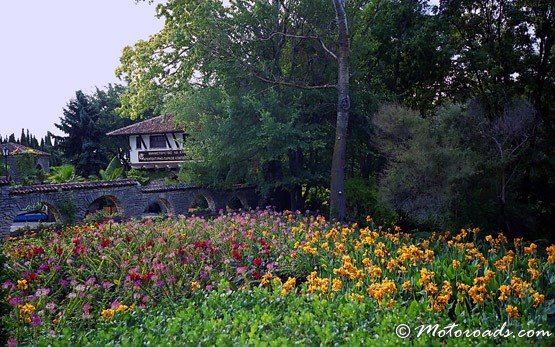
[8, 209]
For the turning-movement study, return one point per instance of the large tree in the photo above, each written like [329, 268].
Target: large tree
[290, 52]
[81, 145]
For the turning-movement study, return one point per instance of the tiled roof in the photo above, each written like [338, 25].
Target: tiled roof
[156, 125]
[46, 188]
[16, 148]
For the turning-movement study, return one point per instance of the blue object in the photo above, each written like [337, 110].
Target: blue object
[31, 217]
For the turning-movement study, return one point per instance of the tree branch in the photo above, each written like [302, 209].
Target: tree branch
[292, 84]
[302, 37]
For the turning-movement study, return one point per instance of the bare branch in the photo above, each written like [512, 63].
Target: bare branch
[302, 37]
[292, 84]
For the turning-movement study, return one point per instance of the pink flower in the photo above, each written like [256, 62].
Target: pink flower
[87, 310]
[8, 285]
[12, 342]
[241, 269]
[42, 292]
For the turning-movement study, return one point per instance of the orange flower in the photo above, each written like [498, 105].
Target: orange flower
[512, 311]
[530, 249]
[550, 254]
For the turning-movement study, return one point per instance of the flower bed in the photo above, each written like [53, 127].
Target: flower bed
[81, 276]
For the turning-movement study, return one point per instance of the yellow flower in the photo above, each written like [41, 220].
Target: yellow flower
[530, 249]
[26, 309]
[310, 250]
[456, 264]
[431, 288]
[478, 293]
[503, 263]
[505, 292]
[265, 281]
[108, 313]
[122, 308]
[550, 254]
[442, 300]
[512, 311]
[462, 287]
[195, 286]
[406, 286]
[22, 284]
[426, 276]
[288, 286]
[336, 285]
[276, 281]
[534, 274]
[356, 297]
[366, 262]
[538, 299]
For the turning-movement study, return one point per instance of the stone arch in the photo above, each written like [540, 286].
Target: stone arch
[236, 202]
[163, 204]
[201, 203]
[33, 211]
[108, 203]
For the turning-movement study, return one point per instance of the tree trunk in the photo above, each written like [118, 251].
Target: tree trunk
[338, 203]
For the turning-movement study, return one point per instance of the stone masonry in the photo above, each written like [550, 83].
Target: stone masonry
[130, 198]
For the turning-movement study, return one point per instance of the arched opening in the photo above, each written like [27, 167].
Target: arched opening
[158, 207]
[39, 167]
[35, 215]
[105, 206]
[234, 204]
[202, 205]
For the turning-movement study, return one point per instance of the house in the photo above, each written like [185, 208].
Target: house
[154, 143]
[23, 161]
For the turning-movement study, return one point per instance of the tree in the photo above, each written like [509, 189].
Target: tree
[247, 49]
[338, 201]
[82, 145]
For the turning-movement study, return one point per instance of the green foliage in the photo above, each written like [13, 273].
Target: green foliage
[64, 173]
[455, 168]
[25, 165]
[113, 172]
[68, 209]
[363, 200]
[138, 175]
[81, 145]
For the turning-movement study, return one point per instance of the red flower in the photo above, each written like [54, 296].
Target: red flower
[256, 275]
[236, 255]
[37, 250]
[257, 261]
[105, 243]
[32, 276]
[79, 249]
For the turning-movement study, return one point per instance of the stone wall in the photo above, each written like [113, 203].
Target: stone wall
[129, 197]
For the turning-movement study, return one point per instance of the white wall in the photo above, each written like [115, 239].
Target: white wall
[134, 152]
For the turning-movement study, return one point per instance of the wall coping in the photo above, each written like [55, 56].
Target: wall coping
[56, 187]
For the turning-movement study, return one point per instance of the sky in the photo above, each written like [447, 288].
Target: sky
[51, 49]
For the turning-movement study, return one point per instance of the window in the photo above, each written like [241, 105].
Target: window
[138, 142]
[157, 141]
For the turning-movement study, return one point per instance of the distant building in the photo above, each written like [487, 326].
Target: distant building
[22, 160]
[154, 143]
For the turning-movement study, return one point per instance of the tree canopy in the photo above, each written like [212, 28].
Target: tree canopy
[254, 82]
